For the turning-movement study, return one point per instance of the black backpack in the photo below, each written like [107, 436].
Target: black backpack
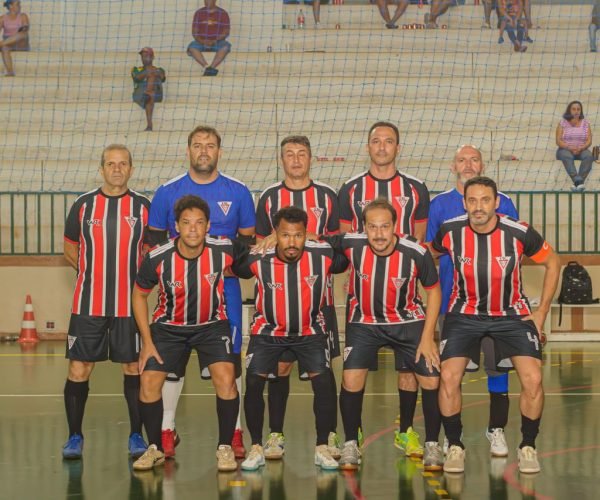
[576, 287]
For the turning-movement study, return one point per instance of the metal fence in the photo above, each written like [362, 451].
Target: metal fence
[32, 223]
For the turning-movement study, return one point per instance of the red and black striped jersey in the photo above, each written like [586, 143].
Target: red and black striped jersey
[289, 296]
[487, 267]
[109, 231]
[318, 200]
[384, 289]
[190, 291]
[408, 195]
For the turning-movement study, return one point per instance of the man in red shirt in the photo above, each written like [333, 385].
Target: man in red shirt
[210, 28]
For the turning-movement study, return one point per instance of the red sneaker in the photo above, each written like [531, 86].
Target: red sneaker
[237, 444]
[168, 443]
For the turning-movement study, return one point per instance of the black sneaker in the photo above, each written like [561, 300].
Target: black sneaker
[210, 71]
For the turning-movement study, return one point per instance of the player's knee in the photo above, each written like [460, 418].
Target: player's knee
[450, 380]
[429, 383]
[130, 368]
[223, 378]
[407, 382]
[284, 369]
[80, 371]
[353, 380]
[532, 382]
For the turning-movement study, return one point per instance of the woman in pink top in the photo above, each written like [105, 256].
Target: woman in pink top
[15, 29]
[573, 138]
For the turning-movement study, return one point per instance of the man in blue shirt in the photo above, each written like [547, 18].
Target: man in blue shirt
[468, 163]
[231, 215]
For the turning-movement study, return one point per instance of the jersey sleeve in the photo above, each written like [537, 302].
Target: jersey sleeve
[73, 224]
[535, 246]
[507, 207]
[428, 275]
[345, 204]
[247, 214]
[422, 211]
[263, 221]
[159, 210]
[146, 278]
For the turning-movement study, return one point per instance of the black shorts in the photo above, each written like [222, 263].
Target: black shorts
[212, 342]
[512, 336]
[98, 338]
[364, 341]
[264, 352]
[205, 373]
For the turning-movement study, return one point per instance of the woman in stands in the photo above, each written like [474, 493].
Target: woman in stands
[573, 138]
[15, 33]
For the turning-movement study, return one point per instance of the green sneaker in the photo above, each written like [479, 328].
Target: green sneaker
[408, 442]
[361, 438]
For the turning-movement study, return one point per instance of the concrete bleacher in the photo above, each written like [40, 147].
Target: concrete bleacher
[72, 93]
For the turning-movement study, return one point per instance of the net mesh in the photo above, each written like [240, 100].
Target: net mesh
[72, 92]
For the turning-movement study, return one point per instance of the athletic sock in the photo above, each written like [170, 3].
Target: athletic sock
[227, 410]
[431, 412]
[170, 395]
[279, 391]
[324, 403]
[498, 411]
[453, 429]
[238, 420]
[152, 414]
[351, 410]
[75, 396]
[530, 429]
[254, 406]
[334, 416]
[408, 405]
[131, 389]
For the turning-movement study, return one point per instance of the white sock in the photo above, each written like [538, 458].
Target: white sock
[170, 393]
[238, 383]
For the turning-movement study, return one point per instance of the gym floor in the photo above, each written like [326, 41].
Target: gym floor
[33, 429]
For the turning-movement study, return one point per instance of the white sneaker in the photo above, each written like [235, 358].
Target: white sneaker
[275, 446]
[225, 459]
[324, 459]
[455, 460]
[498, 446]
[256, 458]
[351, 457]
[528, 460]
[333, 445]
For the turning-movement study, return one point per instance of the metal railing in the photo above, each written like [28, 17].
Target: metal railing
[32, 223]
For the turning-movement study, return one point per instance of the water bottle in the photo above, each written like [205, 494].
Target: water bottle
[300, 19]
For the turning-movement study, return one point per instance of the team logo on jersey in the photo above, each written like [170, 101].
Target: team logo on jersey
[363, 203]
[71, 340]
[94, 222]
[442, 345]
[398, 282]
[275, 286]
[402, 200]
[347, 351]
[224, 206]
[175, 284]
[131, 220]
[464, 260]
[248, 359]
[310, 280]
[318, 211]
[503, 261]
[211, 278]
[364, 277]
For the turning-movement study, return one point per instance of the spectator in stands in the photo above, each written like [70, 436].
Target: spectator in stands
[488, 6]
[438, 7]
[594, 26]
[316, 7]
[147, 84]
[15, 33]
[511, 12]
[210, 29]
[573, 138]
[390, 22]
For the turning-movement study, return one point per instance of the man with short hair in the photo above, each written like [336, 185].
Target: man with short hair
[147, 84]
[488, 300]
[385, 309]
[210, 29]
[104, 235]
[320, 203]
[468, 163]
[232, 216]
[291, 284]
[410, 198]
[190, 313]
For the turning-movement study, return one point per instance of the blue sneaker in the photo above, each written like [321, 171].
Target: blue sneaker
[73, 448]
[137, 446]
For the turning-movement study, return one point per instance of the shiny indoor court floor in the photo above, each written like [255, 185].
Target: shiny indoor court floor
[33, 429]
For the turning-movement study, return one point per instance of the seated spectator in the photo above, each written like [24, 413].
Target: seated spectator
[573, 138]
[438, 8]
[594, 26]
[147, 84]
[511, 12]
[390, 22]
[15, 28]
[210, 28]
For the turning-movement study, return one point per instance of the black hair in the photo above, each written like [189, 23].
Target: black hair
[568, 116]
[385, 124]
[191, 201]
[290, 214]
[481, 181]
[380, 203]
[205, 130]
[297, 139]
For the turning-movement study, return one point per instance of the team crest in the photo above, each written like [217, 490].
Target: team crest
[318, 211]
[363, 203]
[464, 260]
[131, 220]
[347, 351]
[211, 278]
[364, 277]
[275, 286]
[224, 206]
[248, 359]
[71, 340]
[503, 261]
[310, 280]
[398, 282]
[402, 200]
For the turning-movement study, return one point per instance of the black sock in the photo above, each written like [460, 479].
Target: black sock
[453, 429]
[324, 403]
[227, 412]
[152, 414]
[408, 405]
[351, 410]
[498, 410]
[75, 395]
[431, 412]
[254, 406]
[131, 389]
[334, 417]
[529, 429]
[279, 390]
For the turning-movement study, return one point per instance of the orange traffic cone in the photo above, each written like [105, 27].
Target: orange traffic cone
[28, 331]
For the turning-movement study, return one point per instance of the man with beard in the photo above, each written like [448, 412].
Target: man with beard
[232, 215]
